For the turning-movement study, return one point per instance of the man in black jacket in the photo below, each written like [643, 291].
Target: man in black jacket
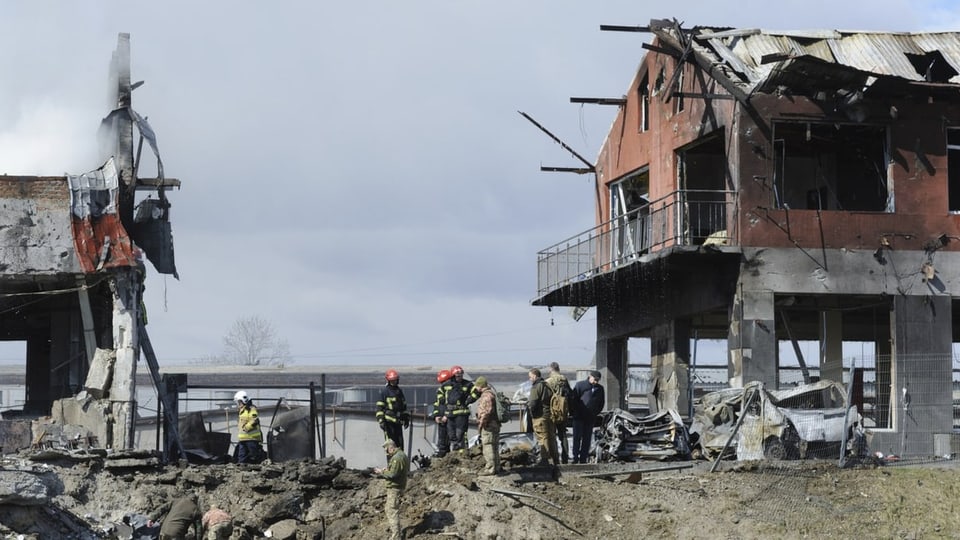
[588, 401]
[392, 414]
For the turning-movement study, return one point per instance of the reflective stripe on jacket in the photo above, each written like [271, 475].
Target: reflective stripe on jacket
[249, 424]
[392, 405]
[440, 404]
[459, 397]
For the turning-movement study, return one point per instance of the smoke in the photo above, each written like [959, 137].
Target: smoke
[45, 138]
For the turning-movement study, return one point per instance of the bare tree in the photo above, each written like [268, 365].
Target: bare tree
[252, 341]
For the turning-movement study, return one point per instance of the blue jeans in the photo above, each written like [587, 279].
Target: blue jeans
[249, 452]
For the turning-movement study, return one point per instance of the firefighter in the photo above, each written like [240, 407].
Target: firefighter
[458, 400]
[440, 412]
[392, 412]
[249, 435]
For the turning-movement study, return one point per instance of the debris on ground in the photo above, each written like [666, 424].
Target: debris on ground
[85, 495]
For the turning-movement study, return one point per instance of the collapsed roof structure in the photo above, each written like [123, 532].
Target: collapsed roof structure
[72, 271]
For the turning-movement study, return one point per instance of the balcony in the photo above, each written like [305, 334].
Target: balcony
[682, 218]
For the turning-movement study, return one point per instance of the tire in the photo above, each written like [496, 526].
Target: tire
[773, 448]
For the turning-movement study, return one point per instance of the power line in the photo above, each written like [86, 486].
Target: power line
[445, 340]
[436, 353]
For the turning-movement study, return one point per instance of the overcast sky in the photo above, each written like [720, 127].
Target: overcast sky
[356, 172]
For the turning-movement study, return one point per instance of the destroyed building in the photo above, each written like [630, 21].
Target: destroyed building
[763, 188]
[72, 272]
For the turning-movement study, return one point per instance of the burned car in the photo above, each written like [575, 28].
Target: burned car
[623, 436]
[811, 420]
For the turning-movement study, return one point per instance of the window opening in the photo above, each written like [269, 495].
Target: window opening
[630, 216]
[702, 172]
[644, 91]
[821, 166]
[953, 169]
[678, 88]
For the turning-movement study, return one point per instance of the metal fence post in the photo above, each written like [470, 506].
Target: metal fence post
[313, 421]
[323, 415]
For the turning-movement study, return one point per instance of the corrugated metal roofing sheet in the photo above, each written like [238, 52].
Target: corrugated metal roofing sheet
[879, 53]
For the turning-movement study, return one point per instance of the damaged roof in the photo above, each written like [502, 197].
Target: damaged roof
[758, 60]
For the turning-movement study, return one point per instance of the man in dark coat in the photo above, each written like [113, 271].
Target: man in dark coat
[588, 401]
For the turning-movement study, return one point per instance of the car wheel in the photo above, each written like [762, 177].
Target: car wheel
[773, 448]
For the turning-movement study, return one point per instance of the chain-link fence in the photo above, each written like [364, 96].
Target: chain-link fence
[886, 408]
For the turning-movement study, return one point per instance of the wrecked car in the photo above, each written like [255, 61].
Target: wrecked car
[623, 436]
[811, 420]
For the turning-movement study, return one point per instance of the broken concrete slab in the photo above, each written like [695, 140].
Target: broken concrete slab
[94, 415]
[22, 488]
[100, 374]
[15, 435]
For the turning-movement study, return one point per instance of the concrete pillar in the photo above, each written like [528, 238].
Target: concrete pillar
[127, 293]
[831, 345]
[612, 365]
[752, 339]
[922, 371]
[670, 364]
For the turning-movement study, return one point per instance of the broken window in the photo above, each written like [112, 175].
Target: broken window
[644, 93]
[658, 84]
[630, 216]
[953, 169]
[678, 87]
[828, 166]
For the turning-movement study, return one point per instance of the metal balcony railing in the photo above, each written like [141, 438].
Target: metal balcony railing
[682, 218]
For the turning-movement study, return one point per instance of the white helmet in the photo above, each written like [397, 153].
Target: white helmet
[241, 396]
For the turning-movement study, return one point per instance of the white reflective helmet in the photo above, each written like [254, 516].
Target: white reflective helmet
[241, 396]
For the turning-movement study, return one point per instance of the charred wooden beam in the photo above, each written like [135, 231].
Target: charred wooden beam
[774, 57]
[618, 28]
[152, 184]
[599, 101]
[661, 50]
[557, 139]
[707, 65]
[674, 77]
[578, 170]
[702, 96]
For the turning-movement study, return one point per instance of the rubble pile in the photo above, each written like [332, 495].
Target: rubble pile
[85, 494]
[93, 494]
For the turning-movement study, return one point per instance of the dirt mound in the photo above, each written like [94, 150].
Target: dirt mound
[73, 495]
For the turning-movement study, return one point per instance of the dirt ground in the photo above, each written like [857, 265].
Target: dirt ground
[88, 497]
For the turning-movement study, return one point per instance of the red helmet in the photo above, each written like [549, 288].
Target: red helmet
[456, 370]
[443, 375]
[392, 375]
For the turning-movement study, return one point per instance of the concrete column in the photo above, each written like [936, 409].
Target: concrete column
[831, 345]
[752, 339]
[612, 365]
[922, 372]
[127, 291]
[670, 364]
